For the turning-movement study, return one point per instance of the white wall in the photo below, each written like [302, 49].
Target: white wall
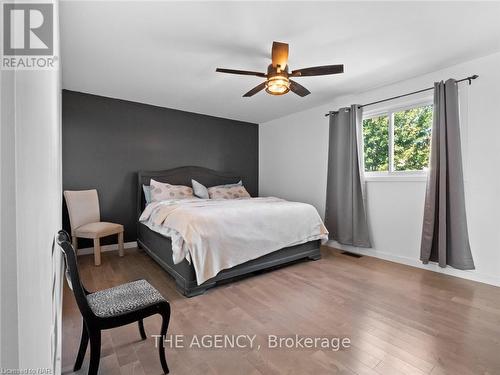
[31, 215]
[38, 207]
[293, 165]
[30, 203]
[8, 255]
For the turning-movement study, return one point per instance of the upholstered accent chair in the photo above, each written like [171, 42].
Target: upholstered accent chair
[85, 221]
[110, 308]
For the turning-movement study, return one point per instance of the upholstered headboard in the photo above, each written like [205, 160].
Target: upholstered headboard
[182, 176]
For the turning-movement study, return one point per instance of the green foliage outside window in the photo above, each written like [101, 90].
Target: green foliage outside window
[412, 135]
[412, 132]
[376, 143]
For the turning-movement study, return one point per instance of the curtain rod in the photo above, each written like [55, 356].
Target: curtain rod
[410, 93]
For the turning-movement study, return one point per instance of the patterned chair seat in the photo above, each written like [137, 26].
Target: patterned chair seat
[123, 299]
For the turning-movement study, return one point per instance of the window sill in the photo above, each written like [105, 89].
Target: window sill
[403, 177]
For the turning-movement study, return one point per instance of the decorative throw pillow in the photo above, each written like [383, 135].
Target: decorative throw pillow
[221, 192]
[161, 191]
[147, 193]
[200, 190]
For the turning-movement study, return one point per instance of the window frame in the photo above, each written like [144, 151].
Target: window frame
[389, 111]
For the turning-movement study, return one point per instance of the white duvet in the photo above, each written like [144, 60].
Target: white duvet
[219, 234]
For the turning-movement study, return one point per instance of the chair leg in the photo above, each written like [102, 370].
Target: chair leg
[141, 330]
[120, 244]
[75, 244]
[164, 326]
[95, 352]
[97, 251]
[83, 348]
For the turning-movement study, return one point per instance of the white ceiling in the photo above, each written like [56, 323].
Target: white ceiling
[165, 53]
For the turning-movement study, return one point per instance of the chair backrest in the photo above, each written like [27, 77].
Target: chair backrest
[72, 274]
[83, 207]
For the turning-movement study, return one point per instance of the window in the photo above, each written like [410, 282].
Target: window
[398, 140]
[376, 147]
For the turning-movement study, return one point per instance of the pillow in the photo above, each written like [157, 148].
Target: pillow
[147, 193]
[200, 190]
[161, 191]
[239, 183]
[223, 192]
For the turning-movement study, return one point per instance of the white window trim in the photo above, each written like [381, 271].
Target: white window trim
[389, 110]
[402, 176]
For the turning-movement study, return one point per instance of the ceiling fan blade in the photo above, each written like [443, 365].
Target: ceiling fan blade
[242, 72]
[298, 89]
[279, 54]
[255, 90]
[318, 71]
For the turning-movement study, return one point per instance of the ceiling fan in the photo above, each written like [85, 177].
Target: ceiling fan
[278, 80]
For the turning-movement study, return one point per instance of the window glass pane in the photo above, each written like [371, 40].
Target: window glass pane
[412, 133]
[376, 144]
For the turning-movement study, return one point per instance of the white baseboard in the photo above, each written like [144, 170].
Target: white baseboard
[112, 247]
[434, 267]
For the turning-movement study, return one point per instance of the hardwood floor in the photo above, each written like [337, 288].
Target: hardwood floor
[400, 320]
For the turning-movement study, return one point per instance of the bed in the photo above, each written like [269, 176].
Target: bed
[159, 247]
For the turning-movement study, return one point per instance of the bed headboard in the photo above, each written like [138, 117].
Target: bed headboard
[182, 176]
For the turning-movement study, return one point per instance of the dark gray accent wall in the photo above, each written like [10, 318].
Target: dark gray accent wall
[106, 141]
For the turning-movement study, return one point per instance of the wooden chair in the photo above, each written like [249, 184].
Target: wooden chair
[85, 221]
[110, 308]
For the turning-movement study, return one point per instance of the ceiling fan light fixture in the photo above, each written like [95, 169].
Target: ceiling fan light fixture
[277, 81]
[278, 85]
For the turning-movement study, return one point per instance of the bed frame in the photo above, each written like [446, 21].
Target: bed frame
[159, 247]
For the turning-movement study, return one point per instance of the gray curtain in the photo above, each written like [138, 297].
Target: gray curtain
[444, 233]
[345, 215]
